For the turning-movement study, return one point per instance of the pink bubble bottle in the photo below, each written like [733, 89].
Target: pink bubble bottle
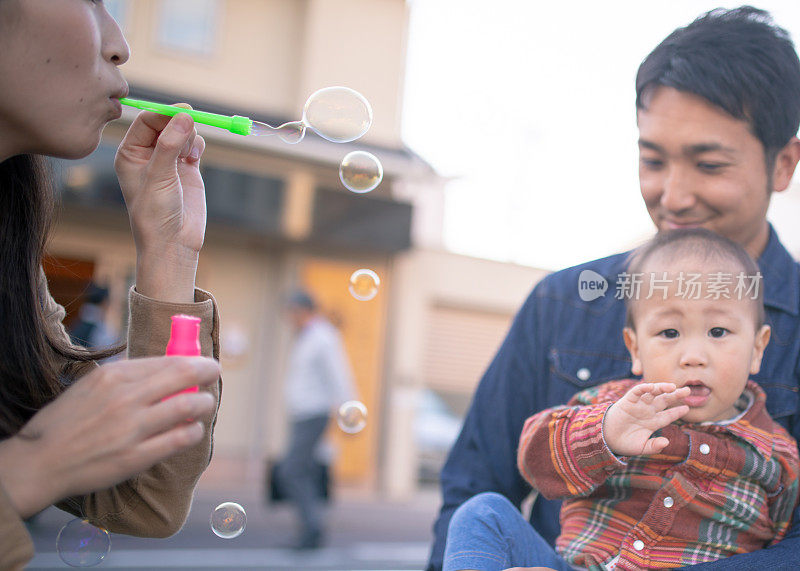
[184, 340]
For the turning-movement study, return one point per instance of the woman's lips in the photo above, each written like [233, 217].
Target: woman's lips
[117, 108]
[699, 394]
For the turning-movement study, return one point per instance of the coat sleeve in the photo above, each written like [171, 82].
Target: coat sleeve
[156, 502]
[562, 452]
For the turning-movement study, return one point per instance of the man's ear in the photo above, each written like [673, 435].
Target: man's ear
[762, 338]
[785, 163]
[629, 335]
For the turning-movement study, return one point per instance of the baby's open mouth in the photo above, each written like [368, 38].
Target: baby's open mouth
[698, 388]
[698, 395]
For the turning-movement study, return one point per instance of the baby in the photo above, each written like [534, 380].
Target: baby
[680, 467]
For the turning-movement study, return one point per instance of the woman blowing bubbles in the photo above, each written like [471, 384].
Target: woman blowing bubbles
[97, 441]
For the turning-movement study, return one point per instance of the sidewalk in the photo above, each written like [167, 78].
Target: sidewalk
[365, 532]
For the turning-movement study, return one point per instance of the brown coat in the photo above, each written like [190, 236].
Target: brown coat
[156, 502]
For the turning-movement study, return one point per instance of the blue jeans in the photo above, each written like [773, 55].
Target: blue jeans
[488, 533]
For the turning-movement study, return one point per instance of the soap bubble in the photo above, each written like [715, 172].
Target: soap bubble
[80, 544]
[360, 171]
[364, 284]
[352, 416]
[338, 114]
[228, 520]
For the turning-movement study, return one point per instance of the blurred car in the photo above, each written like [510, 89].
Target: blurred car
[436, 428]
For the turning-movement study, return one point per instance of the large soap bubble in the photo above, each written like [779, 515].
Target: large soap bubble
[338, 114]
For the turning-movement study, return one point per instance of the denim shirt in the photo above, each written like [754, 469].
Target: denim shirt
[559, 345]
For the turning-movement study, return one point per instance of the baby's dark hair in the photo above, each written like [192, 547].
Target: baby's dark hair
[697, 243]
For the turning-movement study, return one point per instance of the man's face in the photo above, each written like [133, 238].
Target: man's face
[698, 166]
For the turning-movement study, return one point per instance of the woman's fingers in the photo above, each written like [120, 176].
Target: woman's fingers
[177, 374]
[198, 146]
[112, 423]
[163, 445]
[166, 414]
[154, 377]
[168, 147]
[145, 132]
[187, 148]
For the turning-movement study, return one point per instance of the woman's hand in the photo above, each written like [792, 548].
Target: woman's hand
[158, 168]
[631, 421]
[105, 428]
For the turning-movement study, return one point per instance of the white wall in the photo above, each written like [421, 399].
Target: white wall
[423, 279]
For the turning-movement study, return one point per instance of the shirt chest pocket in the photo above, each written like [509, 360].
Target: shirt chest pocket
[586, 368]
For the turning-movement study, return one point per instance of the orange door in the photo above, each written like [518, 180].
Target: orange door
[362, 325]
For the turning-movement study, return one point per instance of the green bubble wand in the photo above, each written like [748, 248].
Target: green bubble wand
[291, 132]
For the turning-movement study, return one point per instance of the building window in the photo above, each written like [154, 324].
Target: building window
[119, 11]
[188, 25]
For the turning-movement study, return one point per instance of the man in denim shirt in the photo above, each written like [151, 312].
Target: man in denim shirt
[718, 109]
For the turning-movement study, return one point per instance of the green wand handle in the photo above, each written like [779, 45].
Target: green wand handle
[237, 124]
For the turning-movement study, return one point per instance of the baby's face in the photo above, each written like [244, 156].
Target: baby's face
[710, 345]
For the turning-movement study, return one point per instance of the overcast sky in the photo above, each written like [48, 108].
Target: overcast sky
[529, 105]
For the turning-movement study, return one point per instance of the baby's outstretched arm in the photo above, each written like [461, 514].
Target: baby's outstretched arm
[631, 421]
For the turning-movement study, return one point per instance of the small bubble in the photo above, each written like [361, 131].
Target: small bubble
[80, 544]
[360, 171]
[364, 284]
[352, 416]
[228, 520]
[338, 114]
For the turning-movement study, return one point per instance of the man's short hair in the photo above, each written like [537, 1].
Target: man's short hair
[738, 60]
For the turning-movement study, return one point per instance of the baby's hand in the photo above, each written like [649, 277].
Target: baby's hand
[630, 422]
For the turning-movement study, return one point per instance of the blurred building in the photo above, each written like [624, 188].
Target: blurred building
[279, 217]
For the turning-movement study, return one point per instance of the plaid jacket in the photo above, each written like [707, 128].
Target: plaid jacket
[716, 490]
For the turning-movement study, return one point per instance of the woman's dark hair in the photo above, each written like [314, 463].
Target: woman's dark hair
[31, 357]
[738, 60]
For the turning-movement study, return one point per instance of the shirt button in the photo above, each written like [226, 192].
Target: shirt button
[705, 448]
[668, 502]
[638, 545]
[584, 374]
